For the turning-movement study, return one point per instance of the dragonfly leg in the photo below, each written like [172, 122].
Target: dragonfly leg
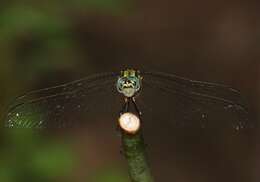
[136, 108]
[125, 106]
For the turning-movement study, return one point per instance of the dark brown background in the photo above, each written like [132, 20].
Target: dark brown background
[47, 43]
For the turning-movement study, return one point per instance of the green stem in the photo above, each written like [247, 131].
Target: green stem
[135, 154]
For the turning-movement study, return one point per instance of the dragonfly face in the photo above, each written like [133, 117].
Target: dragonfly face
[129, 82]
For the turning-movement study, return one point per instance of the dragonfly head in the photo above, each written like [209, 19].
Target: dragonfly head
[129, 82]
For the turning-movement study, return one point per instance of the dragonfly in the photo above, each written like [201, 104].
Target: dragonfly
[161, 97]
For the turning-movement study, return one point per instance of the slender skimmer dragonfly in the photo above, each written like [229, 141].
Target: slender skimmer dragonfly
[162, 98]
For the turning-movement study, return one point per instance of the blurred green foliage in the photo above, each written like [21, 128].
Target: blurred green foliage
[35, 39]
[27, 156]
[110, 174]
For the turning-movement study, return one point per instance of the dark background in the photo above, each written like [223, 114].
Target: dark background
[45, 43]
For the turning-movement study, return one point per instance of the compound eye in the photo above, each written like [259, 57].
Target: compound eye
[134, 83]
[120, 84]
[120, 87]
[131, 82]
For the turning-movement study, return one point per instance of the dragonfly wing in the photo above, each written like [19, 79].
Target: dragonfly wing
[193, 103]
[219, 91]
[65, 105]
[63, 88]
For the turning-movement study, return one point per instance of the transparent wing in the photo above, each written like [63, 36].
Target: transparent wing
[219, 91]
[186, 102]
[64, 105]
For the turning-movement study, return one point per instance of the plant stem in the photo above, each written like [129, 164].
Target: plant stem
[135, 154]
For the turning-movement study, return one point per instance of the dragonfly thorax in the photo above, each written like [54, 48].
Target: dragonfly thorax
[129, 83]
